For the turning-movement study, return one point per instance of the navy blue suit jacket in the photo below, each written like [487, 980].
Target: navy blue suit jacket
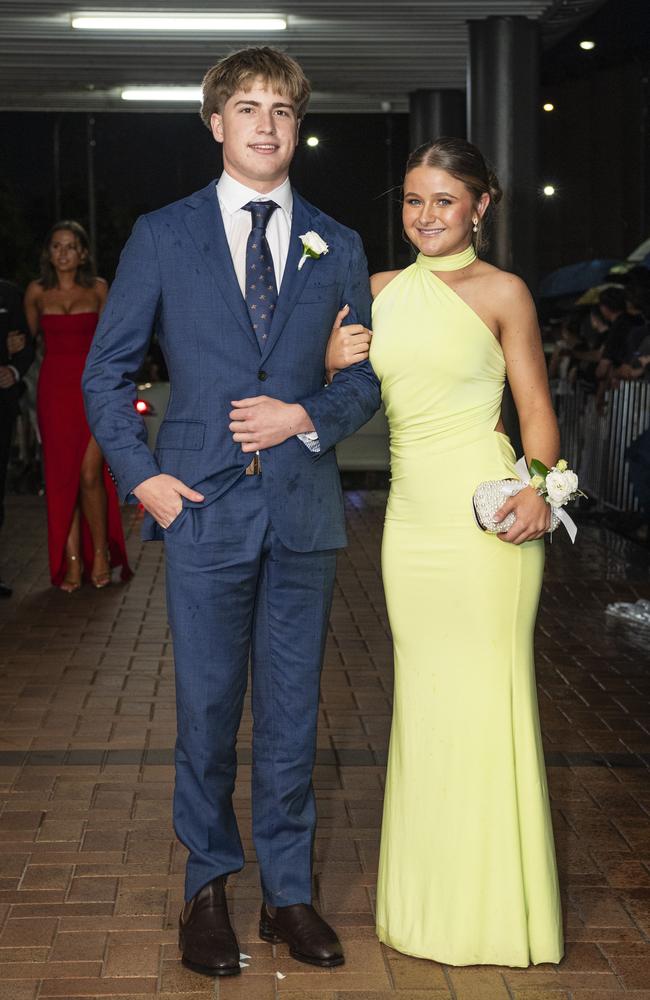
[176, 275]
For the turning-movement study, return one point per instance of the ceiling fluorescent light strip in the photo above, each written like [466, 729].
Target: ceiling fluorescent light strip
[175, 22]
[187, 94]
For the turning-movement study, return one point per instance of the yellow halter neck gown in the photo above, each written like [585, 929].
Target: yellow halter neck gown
[467, 870]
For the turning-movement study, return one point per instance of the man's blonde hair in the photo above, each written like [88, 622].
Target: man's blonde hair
[239, 70]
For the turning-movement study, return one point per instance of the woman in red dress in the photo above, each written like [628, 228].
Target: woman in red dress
[85, 536]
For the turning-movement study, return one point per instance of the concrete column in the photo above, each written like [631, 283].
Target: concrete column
[434, 113]
[503, 117]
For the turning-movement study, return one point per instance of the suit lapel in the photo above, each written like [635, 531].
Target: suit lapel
[205, 226]
[293, 280]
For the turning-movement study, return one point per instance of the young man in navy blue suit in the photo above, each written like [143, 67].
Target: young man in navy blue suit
[243, 486]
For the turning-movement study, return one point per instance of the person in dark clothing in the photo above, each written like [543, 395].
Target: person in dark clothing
[637, 300]
[613, 307]
[16, 355]
[638, 457]
[588, 349]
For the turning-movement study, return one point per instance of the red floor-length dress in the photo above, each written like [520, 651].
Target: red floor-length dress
[65, 435]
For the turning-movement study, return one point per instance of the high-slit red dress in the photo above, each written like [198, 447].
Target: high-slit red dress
[65, 435]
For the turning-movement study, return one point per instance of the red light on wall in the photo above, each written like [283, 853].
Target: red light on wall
[142, 406]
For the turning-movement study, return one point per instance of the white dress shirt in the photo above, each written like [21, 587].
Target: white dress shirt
[238, 223]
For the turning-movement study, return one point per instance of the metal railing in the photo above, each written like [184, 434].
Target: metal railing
[595, 442]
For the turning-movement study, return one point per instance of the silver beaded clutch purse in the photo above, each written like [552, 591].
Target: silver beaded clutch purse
[490, 496]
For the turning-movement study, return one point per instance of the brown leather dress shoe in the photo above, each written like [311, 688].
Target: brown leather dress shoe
[205, 935]
[310, 939]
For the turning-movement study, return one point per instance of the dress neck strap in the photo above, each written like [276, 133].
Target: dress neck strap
[454, 262]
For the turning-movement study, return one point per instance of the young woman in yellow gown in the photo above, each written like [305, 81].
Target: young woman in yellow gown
[467, 871]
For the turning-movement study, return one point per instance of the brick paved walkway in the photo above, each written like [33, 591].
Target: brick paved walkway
[90, 873]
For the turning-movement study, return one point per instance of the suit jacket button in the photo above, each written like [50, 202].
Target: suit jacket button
[262, 376]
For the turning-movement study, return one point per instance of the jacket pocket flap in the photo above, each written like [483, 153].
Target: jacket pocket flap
[187, 434]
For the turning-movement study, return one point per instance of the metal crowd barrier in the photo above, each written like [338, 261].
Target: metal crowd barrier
[595, 443]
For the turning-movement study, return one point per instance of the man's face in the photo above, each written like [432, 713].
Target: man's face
[258, 129]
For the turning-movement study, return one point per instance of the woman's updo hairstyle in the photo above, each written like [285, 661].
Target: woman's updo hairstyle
[466, 163]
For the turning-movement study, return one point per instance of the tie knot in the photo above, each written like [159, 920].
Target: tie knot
[261, 212]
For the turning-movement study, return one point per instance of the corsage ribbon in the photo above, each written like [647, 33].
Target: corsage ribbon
[522, 471]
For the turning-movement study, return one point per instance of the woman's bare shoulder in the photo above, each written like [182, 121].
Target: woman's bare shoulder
[34, 290]
[380, 280]
[499, 278]
[504, 284]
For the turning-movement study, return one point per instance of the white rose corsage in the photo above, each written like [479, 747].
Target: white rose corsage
[313, 246]
[558, 486]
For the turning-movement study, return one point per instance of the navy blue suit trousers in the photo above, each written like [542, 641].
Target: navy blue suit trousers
[232, 586]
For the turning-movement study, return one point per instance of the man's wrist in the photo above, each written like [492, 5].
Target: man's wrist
[300, 421]
[139, 486]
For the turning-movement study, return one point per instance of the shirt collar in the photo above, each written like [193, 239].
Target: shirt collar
[233, 195]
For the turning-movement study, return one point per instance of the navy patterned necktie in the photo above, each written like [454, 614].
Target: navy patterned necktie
[261, 289]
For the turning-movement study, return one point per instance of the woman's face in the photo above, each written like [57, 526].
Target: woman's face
[66, 253]
[438, 211]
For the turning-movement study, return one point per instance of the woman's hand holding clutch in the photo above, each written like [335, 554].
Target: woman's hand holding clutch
[522, 518]
[347, 344]
[533, 516]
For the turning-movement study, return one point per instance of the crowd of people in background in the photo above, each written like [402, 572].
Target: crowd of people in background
[16, 356]
[599, 343]
[607, 341]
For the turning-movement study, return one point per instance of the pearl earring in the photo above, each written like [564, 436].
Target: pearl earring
[475, 226]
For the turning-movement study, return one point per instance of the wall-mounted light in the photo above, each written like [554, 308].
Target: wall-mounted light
[587, 44]
[189, 95]
[548, 190]
[548, 106]
[312, 141]
[143, 21]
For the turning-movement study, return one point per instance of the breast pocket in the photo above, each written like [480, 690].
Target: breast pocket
[320, 290]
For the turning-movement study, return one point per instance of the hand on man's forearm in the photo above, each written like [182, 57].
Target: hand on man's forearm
[262, 422]
[7, 377]
[16, 342]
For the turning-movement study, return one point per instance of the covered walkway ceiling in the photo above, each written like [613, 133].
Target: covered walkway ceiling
[361, 55]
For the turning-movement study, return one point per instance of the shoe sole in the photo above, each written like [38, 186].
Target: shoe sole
[325, 963]
[209, 970]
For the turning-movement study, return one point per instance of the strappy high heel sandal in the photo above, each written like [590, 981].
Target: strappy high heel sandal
[101, 580]
[68, 585]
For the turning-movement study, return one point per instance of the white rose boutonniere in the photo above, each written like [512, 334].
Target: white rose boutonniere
[313, 245]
